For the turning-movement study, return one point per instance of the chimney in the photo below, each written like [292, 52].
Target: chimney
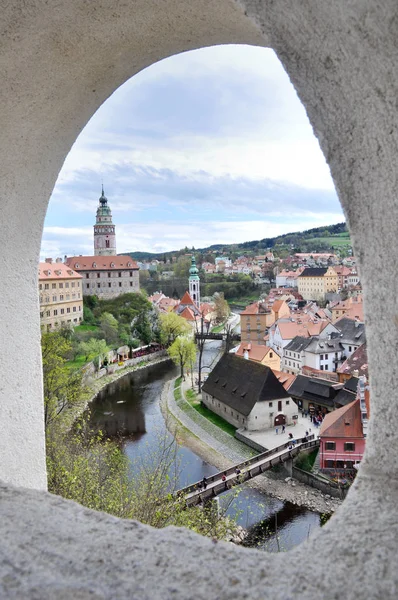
[246, 354]
[49, 261]
[58, 260]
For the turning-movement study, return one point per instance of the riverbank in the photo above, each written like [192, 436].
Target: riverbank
[94, 386]
[276, 485]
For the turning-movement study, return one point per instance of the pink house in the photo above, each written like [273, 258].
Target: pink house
[343, 433]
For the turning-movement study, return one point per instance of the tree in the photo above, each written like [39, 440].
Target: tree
[181, 267]
[109, 328]
[93, 348]
[222, 309]
[62, 387]
[182, 352]
[94, 472]
[171, 326]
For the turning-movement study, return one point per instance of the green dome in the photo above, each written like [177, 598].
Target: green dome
[193, 271]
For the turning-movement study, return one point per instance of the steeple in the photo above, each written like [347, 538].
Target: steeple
[103, 199]
[194, 282]
[104, 229]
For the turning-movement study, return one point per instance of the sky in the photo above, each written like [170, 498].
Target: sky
[205, 147]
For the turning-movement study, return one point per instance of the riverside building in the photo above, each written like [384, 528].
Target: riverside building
[60, 295]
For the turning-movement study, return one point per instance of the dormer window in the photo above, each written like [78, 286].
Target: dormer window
[94, 265]
[112, 265]
[76, 265]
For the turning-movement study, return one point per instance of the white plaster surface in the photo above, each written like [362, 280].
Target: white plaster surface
[58, 62]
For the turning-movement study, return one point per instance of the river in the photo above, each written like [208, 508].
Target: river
[130, 408]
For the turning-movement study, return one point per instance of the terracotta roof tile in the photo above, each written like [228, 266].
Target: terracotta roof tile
[98, 263]
[56, 270]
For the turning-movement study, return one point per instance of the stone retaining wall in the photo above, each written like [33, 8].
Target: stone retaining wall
[326, 487]
[249, 442]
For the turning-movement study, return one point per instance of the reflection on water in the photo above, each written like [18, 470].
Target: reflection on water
[129, 408]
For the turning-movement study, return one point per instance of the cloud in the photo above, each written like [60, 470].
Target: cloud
[213, 135]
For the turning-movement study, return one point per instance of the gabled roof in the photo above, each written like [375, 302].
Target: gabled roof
[277, 305]
[187, 314]
[351, 331]
[241, 383]
[286, 379]
[298, 344]
[358, 361]
[186, 299]
[56, 270]
[100, 263]
[320, 391]
[256, 308]
[343, 422]
[313, 272]
[324, 346]
[348, 392]
[256, 351]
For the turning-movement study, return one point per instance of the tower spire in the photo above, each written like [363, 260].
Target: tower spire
[194, 282]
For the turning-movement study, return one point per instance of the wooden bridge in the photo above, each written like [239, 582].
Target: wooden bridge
[238, 474]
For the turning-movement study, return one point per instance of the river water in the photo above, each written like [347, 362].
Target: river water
[130, 408]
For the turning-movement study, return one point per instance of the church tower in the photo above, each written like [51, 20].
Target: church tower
[104, 229]
[194, 282]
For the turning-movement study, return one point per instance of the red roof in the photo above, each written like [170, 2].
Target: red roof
[56, 271]
[286, 379]
[187, 314]
[344, 422]
[98, 263]
[186, 299]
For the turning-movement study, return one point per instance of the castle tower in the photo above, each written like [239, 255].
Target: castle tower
[104, 229]
[194, 282]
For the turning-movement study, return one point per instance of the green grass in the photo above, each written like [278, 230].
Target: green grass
[218, 328]
[215, 419]
[191, 395]
[77, 363]
[177, 382]
[335, 241]
[85, 327]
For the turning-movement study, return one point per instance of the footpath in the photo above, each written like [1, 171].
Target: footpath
[222, 450]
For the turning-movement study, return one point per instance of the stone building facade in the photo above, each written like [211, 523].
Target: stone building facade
[60, 295]
[106, 276]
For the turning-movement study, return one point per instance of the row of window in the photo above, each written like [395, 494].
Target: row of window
[103, 274]
[348, 446]
[61, 311]
[62, 298]
[60, 284]
[121, 284]
[237, 416]
[49, 325]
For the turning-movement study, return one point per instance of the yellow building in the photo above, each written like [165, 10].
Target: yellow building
[258, 317]
[261, 354]
[315, 283]
[61, 295]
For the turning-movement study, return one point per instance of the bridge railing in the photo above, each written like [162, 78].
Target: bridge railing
[305, 442]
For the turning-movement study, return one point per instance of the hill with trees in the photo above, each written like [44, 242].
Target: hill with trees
[318, 239]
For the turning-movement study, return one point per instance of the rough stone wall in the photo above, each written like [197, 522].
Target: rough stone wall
[59, 62]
